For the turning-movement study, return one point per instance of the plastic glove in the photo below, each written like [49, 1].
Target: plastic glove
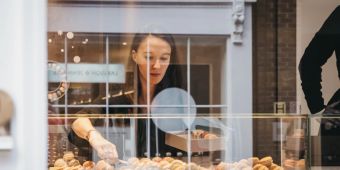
[105, 149]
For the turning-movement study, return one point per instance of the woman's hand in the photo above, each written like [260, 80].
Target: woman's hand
[105, 149]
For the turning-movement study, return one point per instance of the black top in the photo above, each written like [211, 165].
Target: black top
[141, 136]
[319, 50]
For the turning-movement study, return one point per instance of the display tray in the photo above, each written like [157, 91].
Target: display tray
[180, 141]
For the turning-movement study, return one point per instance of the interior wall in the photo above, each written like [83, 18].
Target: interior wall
[311, 14]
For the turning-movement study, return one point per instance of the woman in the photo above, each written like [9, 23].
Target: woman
[324, 43]
[160, 51]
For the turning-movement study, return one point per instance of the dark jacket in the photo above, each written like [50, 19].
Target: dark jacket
[319, 50]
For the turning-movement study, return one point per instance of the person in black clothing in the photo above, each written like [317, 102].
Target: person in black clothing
[160, 51]
[319, 50]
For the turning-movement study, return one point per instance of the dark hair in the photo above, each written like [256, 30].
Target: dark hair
[172, 77]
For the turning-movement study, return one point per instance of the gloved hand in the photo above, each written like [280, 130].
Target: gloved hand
[105, 149]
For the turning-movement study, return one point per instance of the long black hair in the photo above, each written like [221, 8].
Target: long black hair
[172, 77]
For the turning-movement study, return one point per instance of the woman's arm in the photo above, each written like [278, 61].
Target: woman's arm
[83, 131]
[83, 127]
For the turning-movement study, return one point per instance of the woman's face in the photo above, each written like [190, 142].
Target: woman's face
[157, 51]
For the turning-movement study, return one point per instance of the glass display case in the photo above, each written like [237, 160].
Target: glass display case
[94, 77]
[179, 141]
[186, 125]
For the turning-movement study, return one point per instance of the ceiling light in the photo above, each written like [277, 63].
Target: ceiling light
[70, 35]
[76, 59]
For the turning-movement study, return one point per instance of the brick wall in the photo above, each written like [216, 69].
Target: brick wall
[274, 75]
[274, 54]
[287, 53]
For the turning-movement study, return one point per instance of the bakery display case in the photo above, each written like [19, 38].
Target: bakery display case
[93, 76]
[206, 141]
[185, 126]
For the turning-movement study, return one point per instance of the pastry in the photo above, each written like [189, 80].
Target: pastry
[68, 156]
[260, 167]
[152, 166]
[56, 168]
[133, 162]
[191, 166]
[79, 167]
[139, 167]
[221, 166]
[60, 163]
[266, 161]
[278, 168]
[210, 136]
[74, 168]
[244, 161]
[273, 166]
[289, 163]
[176, 163]
[263, 168]
[241, 165]
[169, 159]
[180, 167]
[89, 165]
[257, 166]
[157, 159]
[73, 162]
[126, 168]
[202, 135]
[196, 134]
[163, 164]
[253, 161]
[102, 165]
[247, 168]
[230, 166]
[144, 160]
[300, 164]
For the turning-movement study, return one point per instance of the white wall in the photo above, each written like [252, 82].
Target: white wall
[311, 14]
[23, 76]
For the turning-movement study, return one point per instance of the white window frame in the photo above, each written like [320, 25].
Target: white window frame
[23, 76]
